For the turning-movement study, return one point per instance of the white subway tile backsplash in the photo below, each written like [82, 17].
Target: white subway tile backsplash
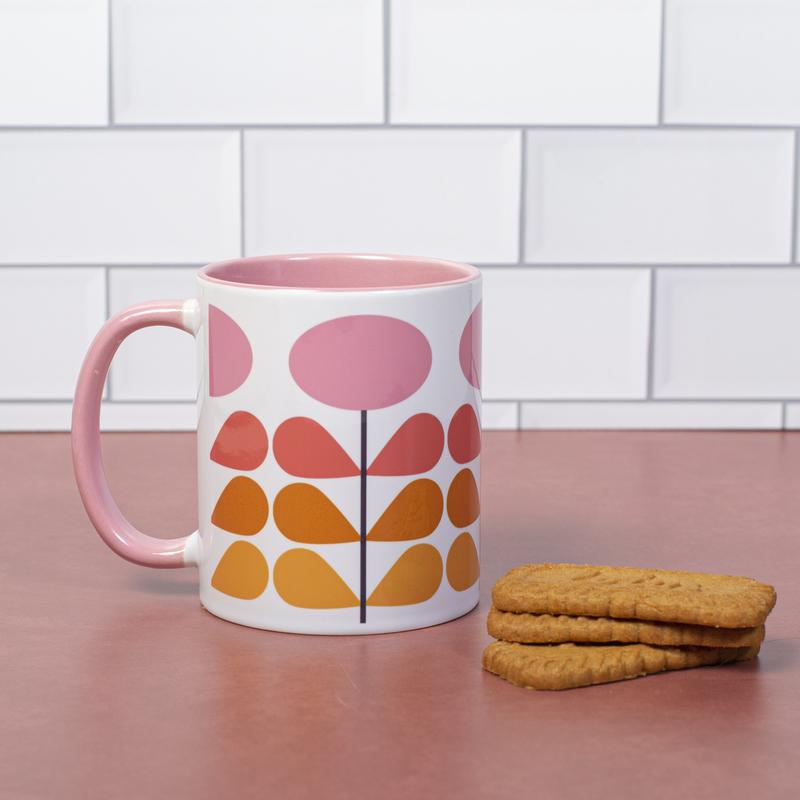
[113, 416]
[525, 61]
[729, 61]
[47, 319]
[499, 416]
[659, 196]
[32, 416]
[148, 417]
[53, 62]
[564, 333]
[159, 416]
[666, 415]
[256, 61]
[103, 205]
[727, 333]
[155, 363]
[792, 421]
[452, 194]
[115, 197]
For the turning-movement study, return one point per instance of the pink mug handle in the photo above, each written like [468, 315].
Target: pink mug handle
[114, 529]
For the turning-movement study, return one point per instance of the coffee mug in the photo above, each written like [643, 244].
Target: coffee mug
[338, 441]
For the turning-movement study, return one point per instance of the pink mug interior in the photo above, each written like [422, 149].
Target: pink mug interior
[339, 272]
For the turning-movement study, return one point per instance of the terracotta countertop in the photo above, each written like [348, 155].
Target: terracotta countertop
[115, 684]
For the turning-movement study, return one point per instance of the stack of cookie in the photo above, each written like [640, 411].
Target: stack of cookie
[562, 626]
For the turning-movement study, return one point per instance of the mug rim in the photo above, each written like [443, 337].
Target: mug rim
[338, 272]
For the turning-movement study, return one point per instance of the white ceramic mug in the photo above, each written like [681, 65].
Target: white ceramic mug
[338, 441]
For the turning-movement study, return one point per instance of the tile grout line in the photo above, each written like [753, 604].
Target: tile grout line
[794, 204]
[387, 59]
[519, 415]
[111, 265]
[67, 401]
[533, 267]
[651, 334]
[715, 127]
[661, 62]
[241, 194]
[107, 279]
[783, 416]
[153, 401]
[523, 195]
[656, 401]
[641, 401]
[49, 401]
[110, 67]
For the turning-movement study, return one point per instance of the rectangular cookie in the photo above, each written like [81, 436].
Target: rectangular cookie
[549, 629]
[693, 598]
[568, 666]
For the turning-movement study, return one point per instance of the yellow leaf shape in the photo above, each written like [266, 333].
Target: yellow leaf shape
[414, 578]
[463, 503]
[305, 514]
[304, 579]
[413, 514]
[463, 566]
[242, 507]
[242, 572]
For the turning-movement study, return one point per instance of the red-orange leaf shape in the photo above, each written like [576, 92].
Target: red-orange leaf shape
[241, 443]
[416, 447]
[464, 435]
[304, 448]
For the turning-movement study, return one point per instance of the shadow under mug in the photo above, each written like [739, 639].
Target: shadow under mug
[338, 441]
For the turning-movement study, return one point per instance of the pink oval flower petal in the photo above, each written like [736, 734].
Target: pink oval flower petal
[361, 362]
[230, 356]
[469, 351]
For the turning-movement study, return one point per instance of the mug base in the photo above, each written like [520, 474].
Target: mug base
[316, 628]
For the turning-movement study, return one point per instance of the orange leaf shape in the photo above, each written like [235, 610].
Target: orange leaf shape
[416, 447]
[463, 566]
[464, 435]
[413, 514]
[242, 572]
[463, 503]
[242, 507]
[241, 443]
[414, 578]
[304, 579]
[305, 514]
[304, 448]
